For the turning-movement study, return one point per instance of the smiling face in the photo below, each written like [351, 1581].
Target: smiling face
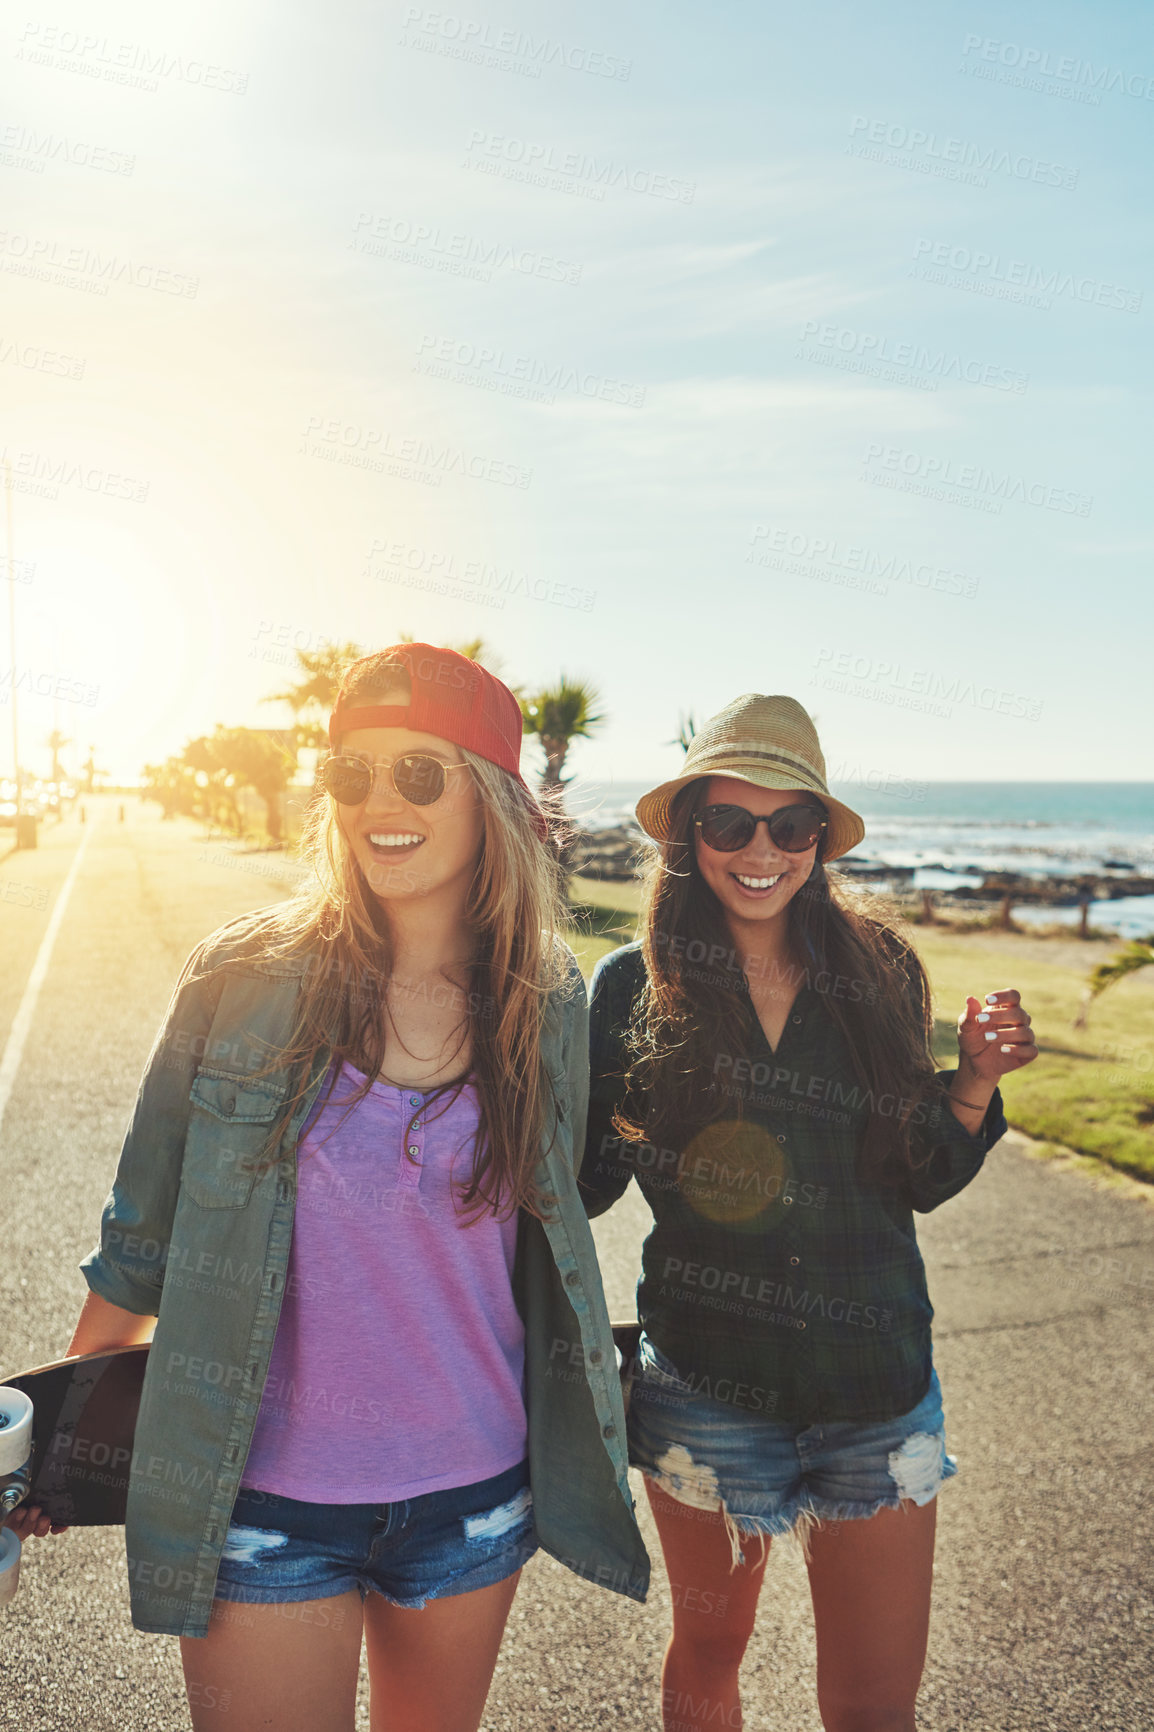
[407, 851]
[758, 882]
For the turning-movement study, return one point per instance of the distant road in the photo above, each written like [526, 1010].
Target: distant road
[1044, 1607]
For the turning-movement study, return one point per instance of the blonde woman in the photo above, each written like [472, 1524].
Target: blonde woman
[347, 1197]
[761, 1064]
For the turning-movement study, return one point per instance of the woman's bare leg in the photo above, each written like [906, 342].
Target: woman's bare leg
[713, 1612]
[430, 1670]
[292, 1668]
[871, 1582]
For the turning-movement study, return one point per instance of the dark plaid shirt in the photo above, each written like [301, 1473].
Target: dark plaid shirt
[773, 1277]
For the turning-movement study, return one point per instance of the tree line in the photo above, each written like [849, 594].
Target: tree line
[204, 780]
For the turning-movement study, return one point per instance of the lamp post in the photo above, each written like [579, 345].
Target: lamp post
[10, 543]
[25, 821]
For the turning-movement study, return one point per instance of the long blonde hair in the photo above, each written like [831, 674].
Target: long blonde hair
[516, 910]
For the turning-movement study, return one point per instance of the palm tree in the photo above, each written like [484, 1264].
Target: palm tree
[173, 785]
[245, 757]
[56, 743]
[558, 715]
[322, 670]
[686, 729]
[1139, 953]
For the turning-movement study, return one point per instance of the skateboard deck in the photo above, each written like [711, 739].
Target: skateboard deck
[84, 1420]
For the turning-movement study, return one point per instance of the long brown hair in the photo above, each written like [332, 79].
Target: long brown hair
[695, 1003]
[337, 924]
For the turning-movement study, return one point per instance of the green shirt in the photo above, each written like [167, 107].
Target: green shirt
[773, 1277]
[191, 1237]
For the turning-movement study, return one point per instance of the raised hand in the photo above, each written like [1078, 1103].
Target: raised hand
[995, 1038]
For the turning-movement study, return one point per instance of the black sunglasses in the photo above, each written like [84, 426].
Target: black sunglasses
[418, 778]
[793, 829]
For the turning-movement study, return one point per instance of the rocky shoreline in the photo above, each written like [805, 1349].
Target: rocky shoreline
[614, 853]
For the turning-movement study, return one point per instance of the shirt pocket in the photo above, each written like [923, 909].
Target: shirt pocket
[228, 1131]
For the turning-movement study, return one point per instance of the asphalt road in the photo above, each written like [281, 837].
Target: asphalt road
[1042, 1280]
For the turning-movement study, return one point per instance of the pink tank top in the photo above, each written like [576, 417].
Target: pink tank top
[399, 1357]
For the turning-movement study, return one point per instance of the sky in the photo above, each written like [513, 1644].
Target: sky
[688, 352]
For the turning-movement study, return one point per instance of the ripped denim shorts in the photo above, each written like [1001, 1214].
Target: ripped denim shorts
[768, 1477]
[426, 1548]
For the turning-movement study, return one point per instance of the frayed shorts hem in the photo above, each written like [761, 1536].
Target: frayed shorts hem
[785, 1521]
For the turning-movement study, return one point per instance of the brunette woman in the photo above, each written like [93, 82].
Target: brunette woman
[761, 1063]
[347, 1197]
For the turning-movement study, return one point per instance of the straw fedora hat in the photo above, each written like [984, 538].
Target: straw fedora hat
[769, 742]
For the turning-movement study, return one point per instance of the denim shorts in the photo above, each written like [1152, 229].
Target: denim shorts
[425, 1548]
[770, 1477]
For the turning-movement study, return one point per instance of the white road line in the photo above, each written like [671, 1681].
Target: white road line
[22, 1021]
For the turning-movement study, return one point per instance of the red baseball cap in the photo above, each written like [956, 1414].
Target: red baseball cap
[450, 696]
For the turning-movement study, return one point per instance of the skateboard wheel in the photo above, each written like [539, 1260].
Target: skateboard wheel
[9, 1565]
[15, 1429]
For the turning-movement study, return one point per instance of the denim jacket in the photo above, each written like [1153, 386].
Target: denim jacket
[189, 1236]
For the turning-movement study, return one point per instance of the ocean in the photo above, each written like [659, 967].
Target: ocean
[951, 833]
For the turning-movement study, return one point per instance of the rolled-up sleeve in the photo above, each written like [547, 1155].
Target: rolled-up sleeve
[127, 1267]
[946, 1156]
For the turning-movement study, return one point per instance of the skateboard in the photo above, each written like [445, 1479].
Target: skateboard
[66, 1439]
[66, 1433]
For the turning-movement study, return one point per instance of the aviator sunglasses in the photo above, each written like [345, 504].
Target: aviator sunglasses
[793, 829]
[418, 778]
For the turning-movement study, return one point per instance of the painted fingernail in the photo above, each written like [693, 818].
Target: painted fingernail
[984, 1017]
[991, 998]
[1007, 1049]
[991, 1034]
